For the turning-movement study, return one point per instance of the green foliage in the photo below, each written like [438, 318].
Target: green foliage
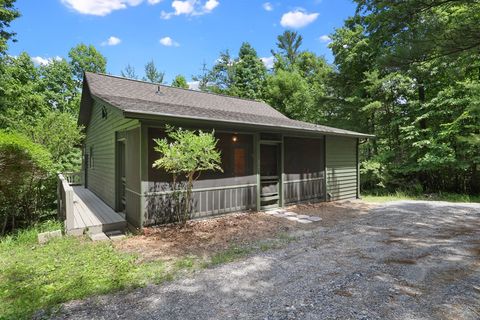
[152, 74]
[231, 254]
[299, 90]
[24, 167]
[129, 72]
[86, 58]
[222, 74]
[290, 93]
[289, 44]
[59, 134]
[21, 97]
[407, 75]
[41, 103]
[249, 76]
[186, 154]
[418, 195]
[180, 82]
[58, 86]
[372, 175]
[8, 13]
[42, 276]
[243, 77]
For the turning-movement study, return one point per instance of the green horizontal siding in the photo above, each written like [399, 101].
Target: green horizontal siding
[341, 165]
[100, 137]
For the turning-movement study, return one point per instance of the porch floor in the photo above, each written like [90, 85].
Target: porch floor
[92, 215]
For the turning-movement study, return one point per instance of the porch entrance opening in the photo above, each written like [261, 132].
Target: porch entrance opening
[269, 176]
[121, 179]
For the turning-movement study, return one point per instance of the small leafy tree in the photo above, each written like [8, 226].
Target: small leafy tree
[186, 154]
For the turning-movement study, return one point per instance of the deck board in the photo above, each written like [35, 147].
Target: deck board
[90, 212]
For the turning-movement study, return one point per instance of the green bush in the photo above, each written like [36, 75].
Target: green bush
[25, 168]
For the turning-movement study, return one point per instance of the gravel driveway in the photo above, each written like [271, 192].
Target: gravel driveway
[402, 260]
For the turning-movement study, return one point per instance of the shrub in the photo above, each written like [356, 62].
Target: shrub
[25, 168]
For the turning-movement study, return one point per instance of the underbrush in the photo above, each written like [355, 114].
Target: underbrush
[401, 195]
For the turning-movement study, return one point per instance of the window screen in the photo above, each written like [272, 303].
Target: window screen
[303, 158]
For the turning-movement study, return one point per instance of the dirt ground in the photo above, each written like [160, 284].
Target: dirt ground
[203, 237]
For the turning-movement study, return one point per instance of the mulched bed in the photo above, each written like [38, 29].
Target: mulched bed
[204, 237]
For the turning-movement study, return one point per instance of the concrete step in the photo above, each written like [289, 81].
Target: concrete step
[115, 235]
[98, 236]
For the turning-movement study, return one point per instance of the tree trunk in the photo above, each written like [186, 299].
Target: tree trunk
[4, 227]
[421, 98]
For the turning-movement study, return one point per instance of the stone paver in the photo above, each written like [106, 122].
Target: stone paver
[304, 221]
[44, 237]
[292, 216]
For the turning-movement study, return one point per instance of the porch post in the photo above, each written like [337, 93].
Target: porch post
[256, 147]
[282, 172]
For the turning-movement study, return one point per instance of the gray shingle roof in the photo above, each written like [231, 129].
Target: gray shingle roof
[141, 98]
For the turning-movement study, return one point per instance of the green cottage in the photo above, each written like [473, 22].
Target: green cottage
[269, 160]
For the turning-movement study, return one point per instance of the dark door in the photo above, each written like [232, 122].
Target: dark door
[269, 176]
[121, 180]
[85, 170]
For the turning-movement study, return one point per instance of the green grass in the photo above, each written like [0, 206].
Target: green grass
[231, 254]
[37, 277]
[442, 196]
[34, 277]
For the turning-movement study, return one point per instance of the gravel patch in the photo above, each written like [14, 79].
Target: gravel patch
[401, 260]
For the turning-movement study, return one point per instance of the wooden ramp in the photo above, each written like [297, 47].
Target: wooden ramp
[92, 215]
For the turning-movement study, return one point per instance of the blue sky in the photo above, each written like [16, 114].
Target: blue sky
[178, 35]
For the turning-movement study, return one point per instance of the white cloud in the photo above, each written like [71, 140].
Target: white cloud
[267, 6]
[100, 7]
[154, 1]
[194, 85]
[325, 38]
[168, 42]
[112, 41]
[210, 5]
[44, 61]
[298, 18]
[268, 61]
[190, 8]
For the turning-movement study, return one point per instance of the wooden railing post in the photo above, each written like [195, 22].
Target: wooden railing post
[65, 202]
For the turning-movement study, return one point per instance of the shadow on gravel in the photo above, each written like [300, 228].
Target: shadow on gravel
[400, 260]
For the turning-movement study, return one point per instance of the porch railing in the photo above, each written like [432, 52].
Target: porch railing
[73, 178]
[65, 201]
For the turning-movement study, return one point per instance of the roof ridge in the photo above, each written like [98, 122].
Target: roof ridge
[191, 90]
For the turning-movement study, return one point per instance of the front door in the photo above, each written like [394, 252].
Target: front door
[269, 176]
[121, 179]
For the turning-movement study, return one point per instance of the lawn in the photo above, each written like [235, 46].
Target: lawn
[443, 196]
[38, 278]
